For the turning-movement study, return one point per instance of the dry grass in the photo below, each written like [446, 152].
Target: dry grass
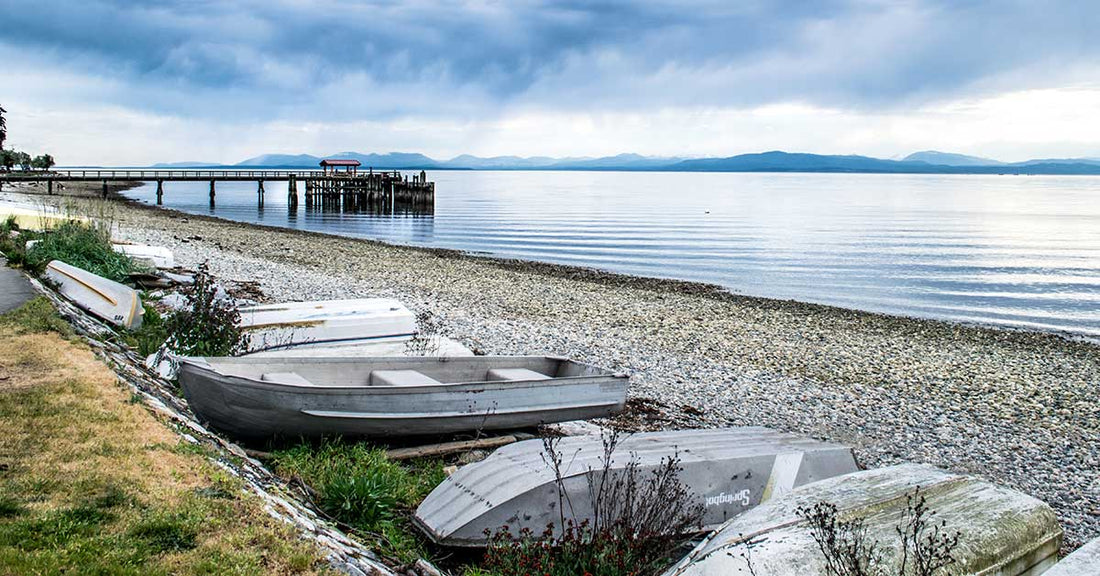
[91, 482]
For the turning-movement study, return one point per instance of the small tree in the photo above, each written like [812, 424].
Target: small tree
[43, 162]
[23, 160]
[7, 159]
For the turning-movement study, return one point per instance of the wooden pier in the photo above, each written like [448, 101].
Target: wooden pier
[324, 189]
[371, 192]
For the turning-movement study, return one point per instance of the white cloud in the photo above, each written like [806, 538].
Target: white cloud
[1010, 126]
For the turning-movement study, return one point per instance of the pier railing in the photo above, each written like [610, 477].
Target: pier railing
[174, 175]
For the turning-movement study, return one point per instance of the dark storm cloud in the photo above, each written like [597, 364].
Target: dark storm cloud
[384, 58]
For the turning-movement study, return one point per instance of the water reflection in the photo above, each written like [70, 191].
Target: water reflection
[1012, 251]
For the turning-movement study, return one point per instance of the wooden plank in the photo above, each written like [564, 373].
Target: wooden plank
[449, 448]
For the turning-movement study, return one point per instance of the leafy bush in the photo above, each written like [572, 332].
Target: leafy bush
[211, 326]
[84, 246]
[152, 334]
[639, 520]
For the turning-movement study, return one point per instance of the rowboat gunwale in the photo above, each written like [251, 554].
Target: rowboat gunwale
[366, 389]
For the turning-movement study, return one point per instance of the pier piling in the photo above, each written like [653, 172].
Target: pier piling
[104, 189]
[160, 192]
[49, 187]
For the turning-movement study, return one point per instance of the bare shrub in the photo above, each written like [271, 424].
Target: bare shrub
[639, 519]
[426, 340]
[927, 548]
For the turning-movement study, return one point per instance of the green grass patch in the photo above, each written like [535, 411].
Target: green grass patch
[10, 507]
[35, 316]
[359, 486]
[91, 484]
[82, 245]
[166, 532]
[152, 334]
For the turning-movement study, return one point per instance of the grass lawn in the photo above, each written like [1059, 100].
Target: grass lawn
[91, 482]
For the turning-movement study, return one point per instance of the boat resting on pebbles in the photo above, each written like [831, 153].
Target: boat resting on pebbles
[35, 217]
[727, 470]
[1004, 532]
[107, 299]
[151, 256]
[437, 346]
[326, 322]
[302, 396]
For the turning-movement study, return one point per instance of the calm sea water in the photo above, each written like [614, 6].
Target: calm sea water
[1019, 251]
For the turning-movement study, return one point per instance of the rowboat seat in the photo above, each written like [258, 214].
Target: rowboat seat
[497, 374]
[291, 378]
[401, 378]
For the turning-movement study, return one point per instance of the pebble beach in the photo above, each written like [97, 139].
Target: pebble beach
[1018, 408]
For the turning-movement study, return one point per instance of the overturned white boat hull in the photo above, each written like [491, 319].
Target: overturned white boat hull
[298, 396]
[153, 256]
[727, 470]
[104, 298]
[1004, 533]
[437, 346]
[323, 323]
[31, 217]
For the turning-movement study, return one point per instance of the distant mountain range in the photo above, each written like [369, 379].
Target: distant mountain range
[927, 162]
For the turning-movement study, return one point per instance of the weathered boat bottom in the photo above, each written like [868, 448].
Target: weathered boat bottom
[726, 471]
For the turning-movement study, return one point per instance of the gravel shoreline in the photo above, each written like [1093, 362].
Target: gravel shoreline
[1018, 408]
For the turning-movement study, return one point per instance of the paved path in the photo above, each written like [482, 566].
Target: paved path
[14, 288]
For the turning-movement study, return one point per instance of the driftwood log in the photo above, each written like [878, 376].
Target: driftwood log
[449, 448]
[282, 500]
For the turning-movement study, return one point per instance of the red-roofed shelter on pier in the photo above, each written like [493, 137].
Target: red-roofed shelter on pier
[332, 167]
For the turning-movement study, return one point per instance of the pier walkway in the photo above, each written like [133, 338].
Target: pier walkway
[321, 187]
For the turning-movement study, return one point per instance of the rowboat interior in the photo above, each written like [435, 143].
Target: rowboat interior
[399, 372]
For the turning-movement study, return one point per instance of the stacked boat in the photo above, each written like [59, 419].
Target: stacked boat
[334, 328]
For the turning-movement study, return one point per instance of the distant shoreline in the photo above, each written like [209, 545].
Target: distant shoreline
[929, 162]
[984, 171]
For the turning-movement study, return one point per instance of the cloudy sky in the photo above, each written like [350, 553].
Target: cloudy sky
[135, 82]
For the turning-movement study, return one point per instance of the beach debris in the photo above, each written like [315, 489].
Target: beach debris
[446, 448]
[574, 428]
